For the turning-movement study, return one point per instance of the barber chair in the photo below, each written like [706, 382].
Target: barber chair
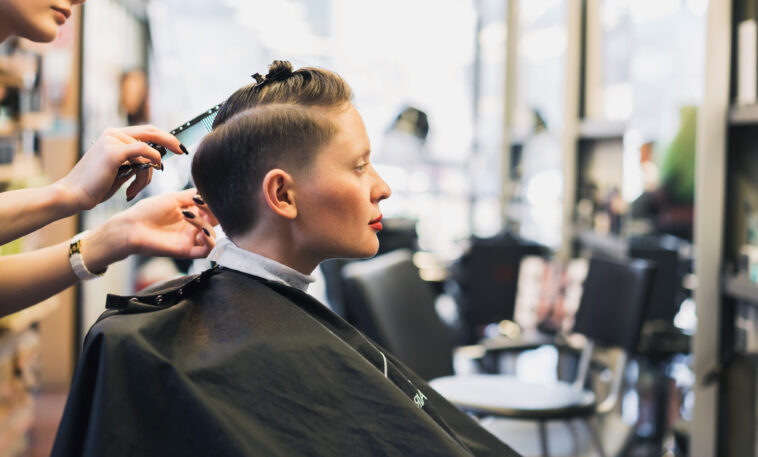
[609, 318]
[398, 233]
[395, 307]
[661, 341]
[486, 277]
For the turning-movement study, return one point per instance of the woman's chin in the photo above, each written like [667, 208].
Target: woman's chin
[369, 251]
[40, 34]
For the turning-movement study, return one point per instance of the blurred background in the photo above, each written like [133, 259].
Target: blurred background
[524, 140]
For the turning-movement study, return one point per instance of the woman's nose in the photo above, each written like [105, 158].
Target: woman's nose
[381, 189]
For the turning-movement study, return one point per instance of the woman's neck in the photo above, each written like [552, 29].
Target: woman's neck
[280, 249]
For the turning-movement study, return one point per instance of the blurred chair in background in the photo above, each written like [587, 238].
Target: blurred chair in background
[395, 307]
[610, 315]
[661, 342]
[398, 233]
[667, 283]
[485, 281]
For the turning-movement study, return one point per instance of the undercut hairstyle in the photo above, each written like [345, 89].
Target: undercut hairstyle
[307, 86]
[232, 160]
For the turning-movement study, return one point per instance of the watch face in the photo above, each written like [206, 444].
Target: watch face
[74, 248]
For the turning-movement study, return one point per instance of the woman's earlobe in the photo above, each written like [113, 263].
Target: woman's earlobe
[278, 192]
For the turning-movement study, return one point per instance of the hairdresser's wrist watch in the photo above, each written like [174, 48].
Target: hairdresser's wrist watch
[77, 262]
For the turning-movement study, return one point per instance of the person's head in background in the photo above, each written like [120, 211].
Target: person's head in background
[134, 99]
[290, 179]
[36, 20]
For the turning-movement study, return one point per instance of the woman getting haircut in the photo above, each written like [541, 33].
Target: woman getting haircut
[163, 225]
[243, 361]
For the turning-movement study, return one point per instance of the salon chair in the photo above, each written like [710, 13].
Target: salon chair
[661, 341]
[397, 308]
[398, 233]
[485, 280]
[660, 338]
[608, 320]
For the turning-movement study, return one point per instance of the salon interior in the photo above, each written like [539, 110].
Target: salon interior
[574, 208]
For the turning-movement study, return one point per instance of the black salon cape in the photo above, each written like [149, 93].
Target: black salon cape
[227, 364]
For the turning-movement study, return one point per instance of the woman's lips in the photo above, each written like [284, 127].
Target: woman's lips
[376, 224]
[61, 15]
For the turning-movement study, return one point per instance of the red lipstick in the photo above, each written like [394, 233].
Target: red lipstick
[61, 15]
[376, 224]
[65, 11]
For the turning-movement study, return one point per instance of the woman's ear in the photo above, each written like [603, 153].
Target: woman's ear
[279, 194]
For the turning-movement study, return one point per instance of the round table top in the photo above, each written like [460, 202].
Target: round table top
[504, 394]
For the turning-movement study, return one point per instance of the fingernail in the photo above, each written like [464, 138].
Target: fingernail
[161, 168]
[184, 150]
[197, 199]
[130, 198]
[188, 214]
[207, 233]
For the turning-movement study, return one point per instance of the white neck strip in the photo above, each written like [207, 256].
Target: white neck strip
[229, 255]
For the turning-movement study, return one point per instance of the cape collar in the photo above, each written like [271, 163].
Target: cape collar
[229, 255]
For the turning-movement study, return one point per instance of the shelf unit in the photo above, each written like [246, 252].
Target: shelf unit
[743, 115]
[36, 344]
[740, 288]
[601, 130]
[726, 412]
[591, 144]
[22, 168]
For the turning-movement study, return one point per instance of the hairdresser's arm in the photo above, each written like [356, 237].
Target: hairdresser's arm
[154, 226]
[91, 181]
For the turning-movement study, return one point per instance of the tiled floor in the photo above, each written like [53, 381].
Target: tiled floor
[48, 410]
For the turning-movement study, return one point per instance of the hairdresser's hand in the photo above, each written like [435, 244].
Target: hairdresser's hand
[170, 225]
[94, 178]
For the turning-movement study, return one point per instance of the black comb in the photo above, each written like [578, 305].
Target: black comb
[204, 121]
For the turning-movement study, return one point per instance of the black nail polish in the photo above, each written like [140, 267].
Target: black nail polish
[207, 233]
[188, 214]
[197, 199]
[160, 166]
[184, 150]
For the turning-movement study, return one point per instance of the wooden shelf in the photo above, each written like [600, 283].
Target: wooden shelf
[740, 288]
[21, 168]
[744, 115]
[36, 121]
[601, 130]
[21, 320]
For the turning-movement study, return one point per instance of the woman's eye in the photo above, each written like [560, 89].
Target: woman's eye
[362, 167]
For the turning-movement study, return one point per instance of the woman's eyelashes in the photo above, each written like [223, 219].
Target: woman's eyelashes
[362, 167]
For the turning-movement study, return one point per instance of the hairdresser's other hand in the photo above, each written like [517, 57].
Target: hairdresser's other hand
[94, 178]
[155, 226]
